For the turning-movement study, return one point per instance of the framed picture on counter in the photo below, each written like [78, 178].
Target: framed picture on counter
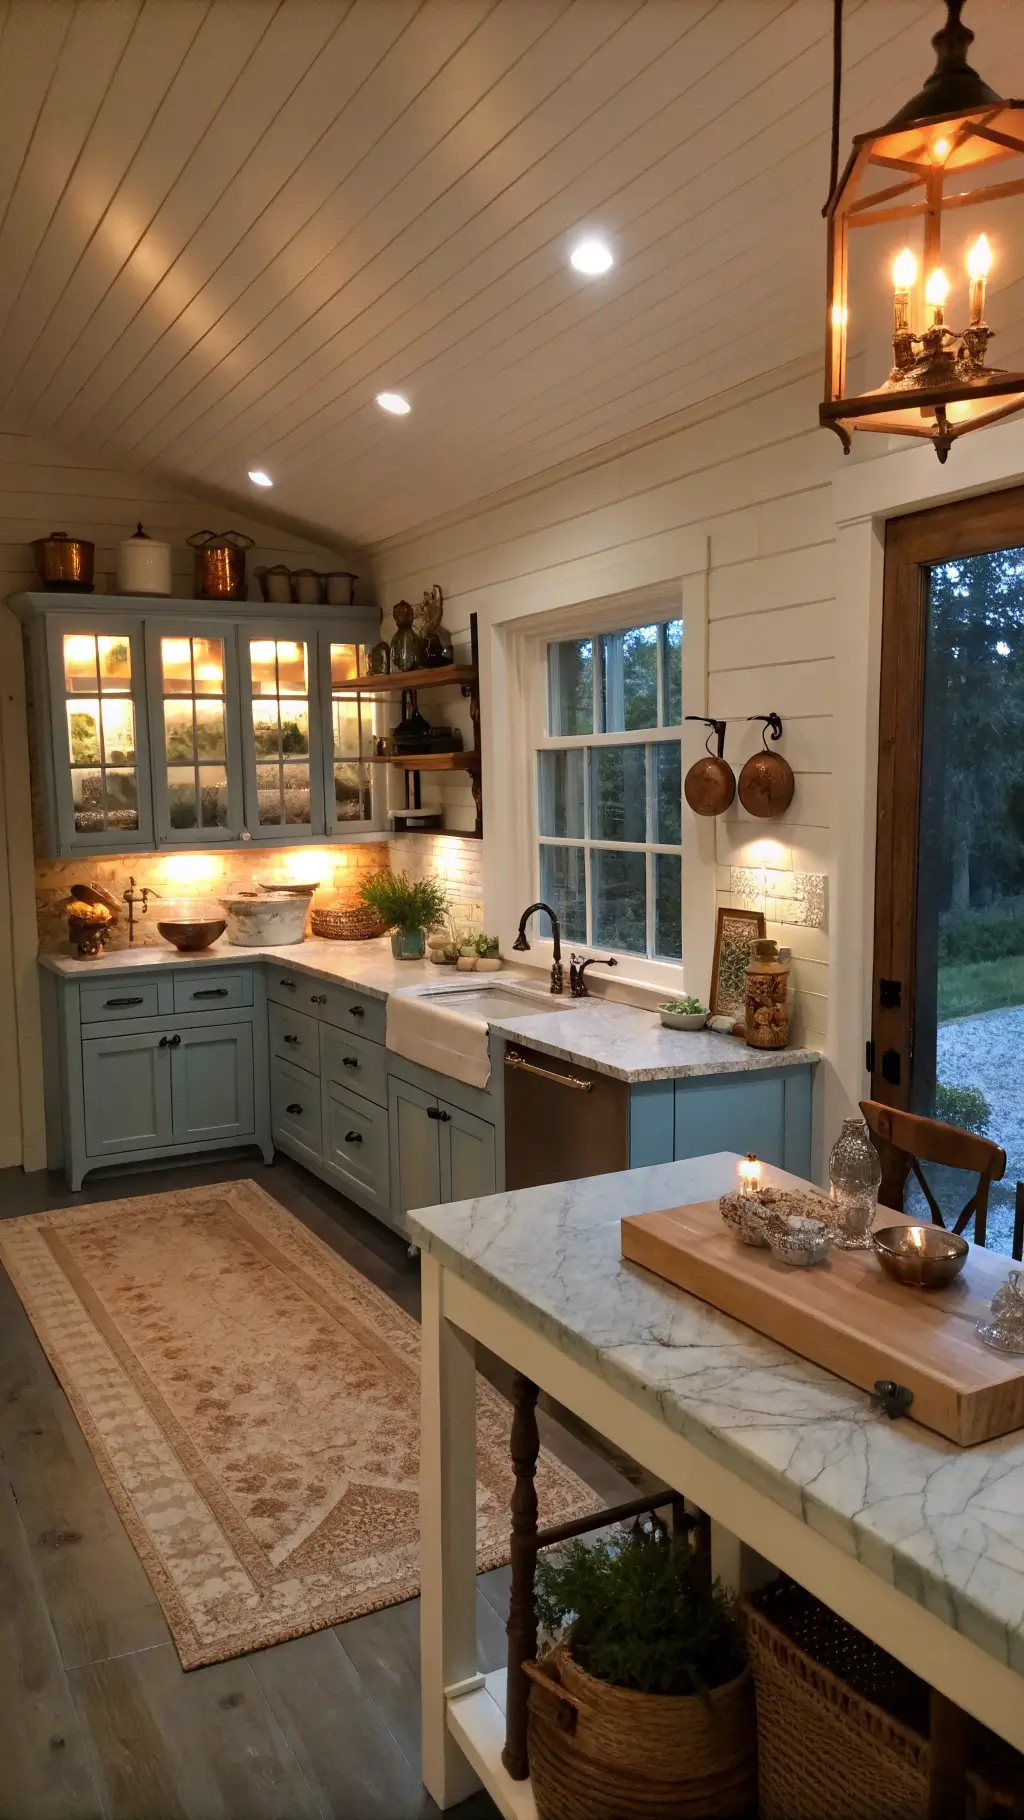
[735, 935]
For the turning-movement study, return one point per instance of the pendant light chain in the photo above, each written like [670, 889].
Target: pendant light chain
[837, 98]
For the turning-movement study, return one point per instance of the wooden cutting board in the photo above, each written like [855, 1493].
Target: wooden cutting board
[848, 1316]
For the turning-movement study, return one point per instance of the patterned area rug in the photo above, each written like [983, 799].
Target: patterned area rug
[252, 1403]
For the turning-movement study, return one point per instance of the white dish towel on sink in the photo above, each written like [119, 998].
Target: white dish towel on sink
[438, 1037]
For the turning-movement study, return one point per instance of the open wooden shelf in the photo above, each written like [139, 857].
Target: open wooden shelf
[393, 681]
[431, 761]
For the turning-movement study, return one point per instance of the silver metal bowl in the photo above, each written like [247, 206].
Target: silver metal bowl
[920, 1257]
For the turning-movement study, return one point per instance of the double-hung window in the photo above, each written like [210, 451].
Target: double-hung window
[609, 790]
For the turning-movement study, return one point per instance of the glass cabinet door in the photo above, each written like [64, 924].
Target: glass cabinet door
[281, 728]
[351, 777]
[197, 783]
[99, 736]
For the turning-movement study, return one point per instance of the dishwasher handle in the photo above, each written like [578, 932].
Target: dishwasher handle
[513, 1059]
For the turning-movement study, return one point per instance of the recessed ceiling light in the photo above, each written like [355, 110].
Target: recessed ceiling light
[259, 478]
[592, 257]
[395, 403]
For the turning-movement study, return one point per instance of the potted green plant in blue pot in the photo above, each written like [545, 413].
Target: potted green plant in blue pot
[407, 909]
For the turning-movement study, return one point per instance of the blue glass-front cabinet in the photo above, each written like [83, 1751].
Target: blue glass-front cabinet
[177, 724]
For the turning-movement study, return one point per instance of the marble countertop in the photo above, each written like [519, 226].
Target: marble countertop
[943, 1524]
[614, 1039]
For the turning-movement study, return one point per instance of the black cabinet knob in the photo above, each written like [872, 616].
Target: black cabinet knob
[291, 1039]
[356, 1011]
[434, 1112]
[350, 1061]
[318, 998]
[290, 984]
[353, 1137]
[169, 1042]
[294, 1108]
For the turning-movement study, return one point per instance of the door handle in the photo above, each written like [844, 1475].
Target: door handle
[289, 984]
[356, 1011]
[170, 1042]
[119, 1004]
[294, 1108]
[212, 992]
[353, 1137]
[434, 1112]
[349, 1061]
[291, 1039]
[513, 1059]
[318, 998]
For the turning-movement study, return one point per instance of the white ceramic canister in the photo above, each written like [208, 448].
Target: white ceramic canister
[144, 565]
[265, 918]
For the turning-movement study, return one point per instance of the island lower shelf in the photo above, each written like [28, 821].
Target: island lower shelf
[849, 1317]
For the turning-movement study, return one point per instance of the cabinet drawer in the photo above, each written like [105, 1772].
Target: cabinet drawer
[350, 1061]
[119, 998]
[295, 1037]
[356, 1146]
[295, 1105]
[212, 989]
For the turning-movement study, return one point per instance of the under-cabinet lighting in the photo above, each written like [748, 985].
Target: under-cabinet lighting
[395, 403]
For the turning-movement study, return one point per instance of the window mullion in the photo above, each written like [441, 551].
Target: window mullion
[662, 674]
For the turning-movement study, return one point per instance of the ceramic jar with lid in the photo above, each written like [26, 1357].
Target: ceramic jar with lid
[271, 918]
[766, 998]
[143, 565]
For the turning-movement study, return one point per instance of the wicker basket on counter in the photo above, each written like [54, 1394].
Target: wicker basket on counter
[355, 925]
[842, 1727]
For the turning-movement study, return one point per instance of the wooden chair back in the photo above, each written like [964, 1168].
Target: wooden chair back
[905, 1140]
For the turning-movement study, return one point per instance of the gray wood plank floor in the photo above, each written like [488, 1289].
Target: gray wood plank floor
[97, 1719]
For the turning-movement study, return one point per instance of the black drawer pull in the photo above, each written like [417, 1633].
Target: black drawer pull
[356, 1011]
[170, 1042]
[353, 1137]
[291, 1039]
[318, 998]
[212, 992]
[349, 1061]
[289, 983]
[434, 1112]
[294, 1108]
[120, 1004]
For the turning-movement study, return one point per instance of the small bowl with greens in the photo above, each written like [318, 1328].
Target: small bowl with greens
[683, 1014]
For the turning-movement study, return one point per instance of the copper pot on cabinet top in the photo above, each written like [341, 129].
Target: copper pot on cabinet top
[766, 781]
[709, 785]
[64, 563]
[220, 564]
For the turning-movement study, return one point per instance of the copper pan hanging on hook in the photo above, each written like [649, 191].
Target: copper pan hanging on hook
[709, 785]
[766, 781]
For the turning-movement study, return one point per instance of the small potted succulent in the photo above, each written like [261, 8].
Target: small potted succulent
[488, 954]
[642, 1705]
[408, 909]
[683, 1013]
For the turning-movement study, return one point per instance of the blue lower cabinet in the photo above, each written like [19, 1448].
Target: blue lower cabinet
[439, 1152]
[468, 1155]
[767, 1111]
[355, 1139]
[212, 1088]
[127, 1094]
[295, 1111]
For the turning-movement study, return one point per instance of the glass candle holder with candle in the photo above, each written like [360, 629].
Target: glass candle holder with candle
[750, 1174]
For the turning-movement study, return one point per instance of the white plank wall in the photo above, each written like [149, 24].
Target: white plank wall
[753, 474]
[42, 489]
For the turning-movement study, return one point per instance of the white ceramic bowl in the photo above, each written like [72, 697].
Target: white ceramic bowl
[682, 1020]
[268, 918]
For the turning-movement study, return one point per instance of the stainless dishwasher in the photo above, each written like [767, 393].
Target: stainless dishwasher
[561, 1121]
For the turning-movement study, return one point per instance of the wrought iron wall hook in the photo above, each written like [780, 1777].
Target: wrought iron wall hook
[717, 728]
[772, 725]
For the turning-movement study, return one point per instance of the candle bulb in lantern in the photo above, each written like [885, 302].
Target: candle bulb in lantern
[935, 293]
[979, 264]
[750, 1175]
[904, 274]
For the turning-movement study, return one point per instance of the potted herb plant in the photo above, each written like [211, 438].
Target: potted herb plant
[642, 1706]
[407, 909]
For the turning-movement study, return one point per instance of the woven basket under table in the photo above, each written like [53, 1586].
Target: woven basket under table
[357, 925]
[842, 1726]
[598, 1751]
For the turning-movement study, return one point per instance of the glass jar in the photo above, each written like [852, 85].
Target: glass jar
[406, 648]
[378, 659]
[855, 1175]
[437, 646]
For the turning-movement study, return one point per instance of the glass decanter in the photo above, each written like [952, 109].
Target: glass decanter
[855, 1175]
[406, 646]
[437, 646]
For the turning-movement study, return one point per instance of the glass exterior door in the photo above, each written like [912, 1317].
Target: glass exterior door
[197, 785]
[282, 734]
[351, 735]
[102, 778]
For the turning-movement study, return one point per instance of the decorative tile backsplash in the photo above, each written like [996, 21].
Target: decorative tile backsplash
[785, 897]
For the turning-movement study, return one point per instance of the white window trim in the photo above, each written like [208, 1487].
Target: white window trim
[520, 660]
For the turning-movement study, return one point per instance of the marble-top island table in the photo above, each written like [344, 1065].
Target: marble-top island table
[916, 1541]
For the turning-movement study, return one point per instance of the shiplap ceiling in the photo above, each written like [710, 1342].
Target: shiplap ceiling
[225, 225]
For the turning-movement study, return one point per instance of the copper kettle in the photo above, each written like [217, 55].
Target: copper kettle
[220, 564]
[709, 785]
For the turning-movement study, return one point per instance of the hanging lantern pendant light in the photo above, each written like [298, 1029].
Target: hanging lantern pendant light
[939, 385]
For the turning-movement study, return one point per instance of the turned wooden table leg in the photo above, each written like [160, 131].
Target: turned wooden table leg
[522, 1616]
[947, 1760]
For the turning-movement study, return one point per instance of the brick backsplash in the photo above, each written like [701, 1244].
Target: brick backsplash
[189, 875]
[457, 862]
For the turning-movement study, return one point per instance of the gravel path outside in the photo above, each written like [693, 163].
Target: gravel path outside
[987, 1051]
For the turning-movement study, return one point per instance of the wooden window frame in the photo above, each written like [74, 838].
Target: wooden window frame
[971, 527]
